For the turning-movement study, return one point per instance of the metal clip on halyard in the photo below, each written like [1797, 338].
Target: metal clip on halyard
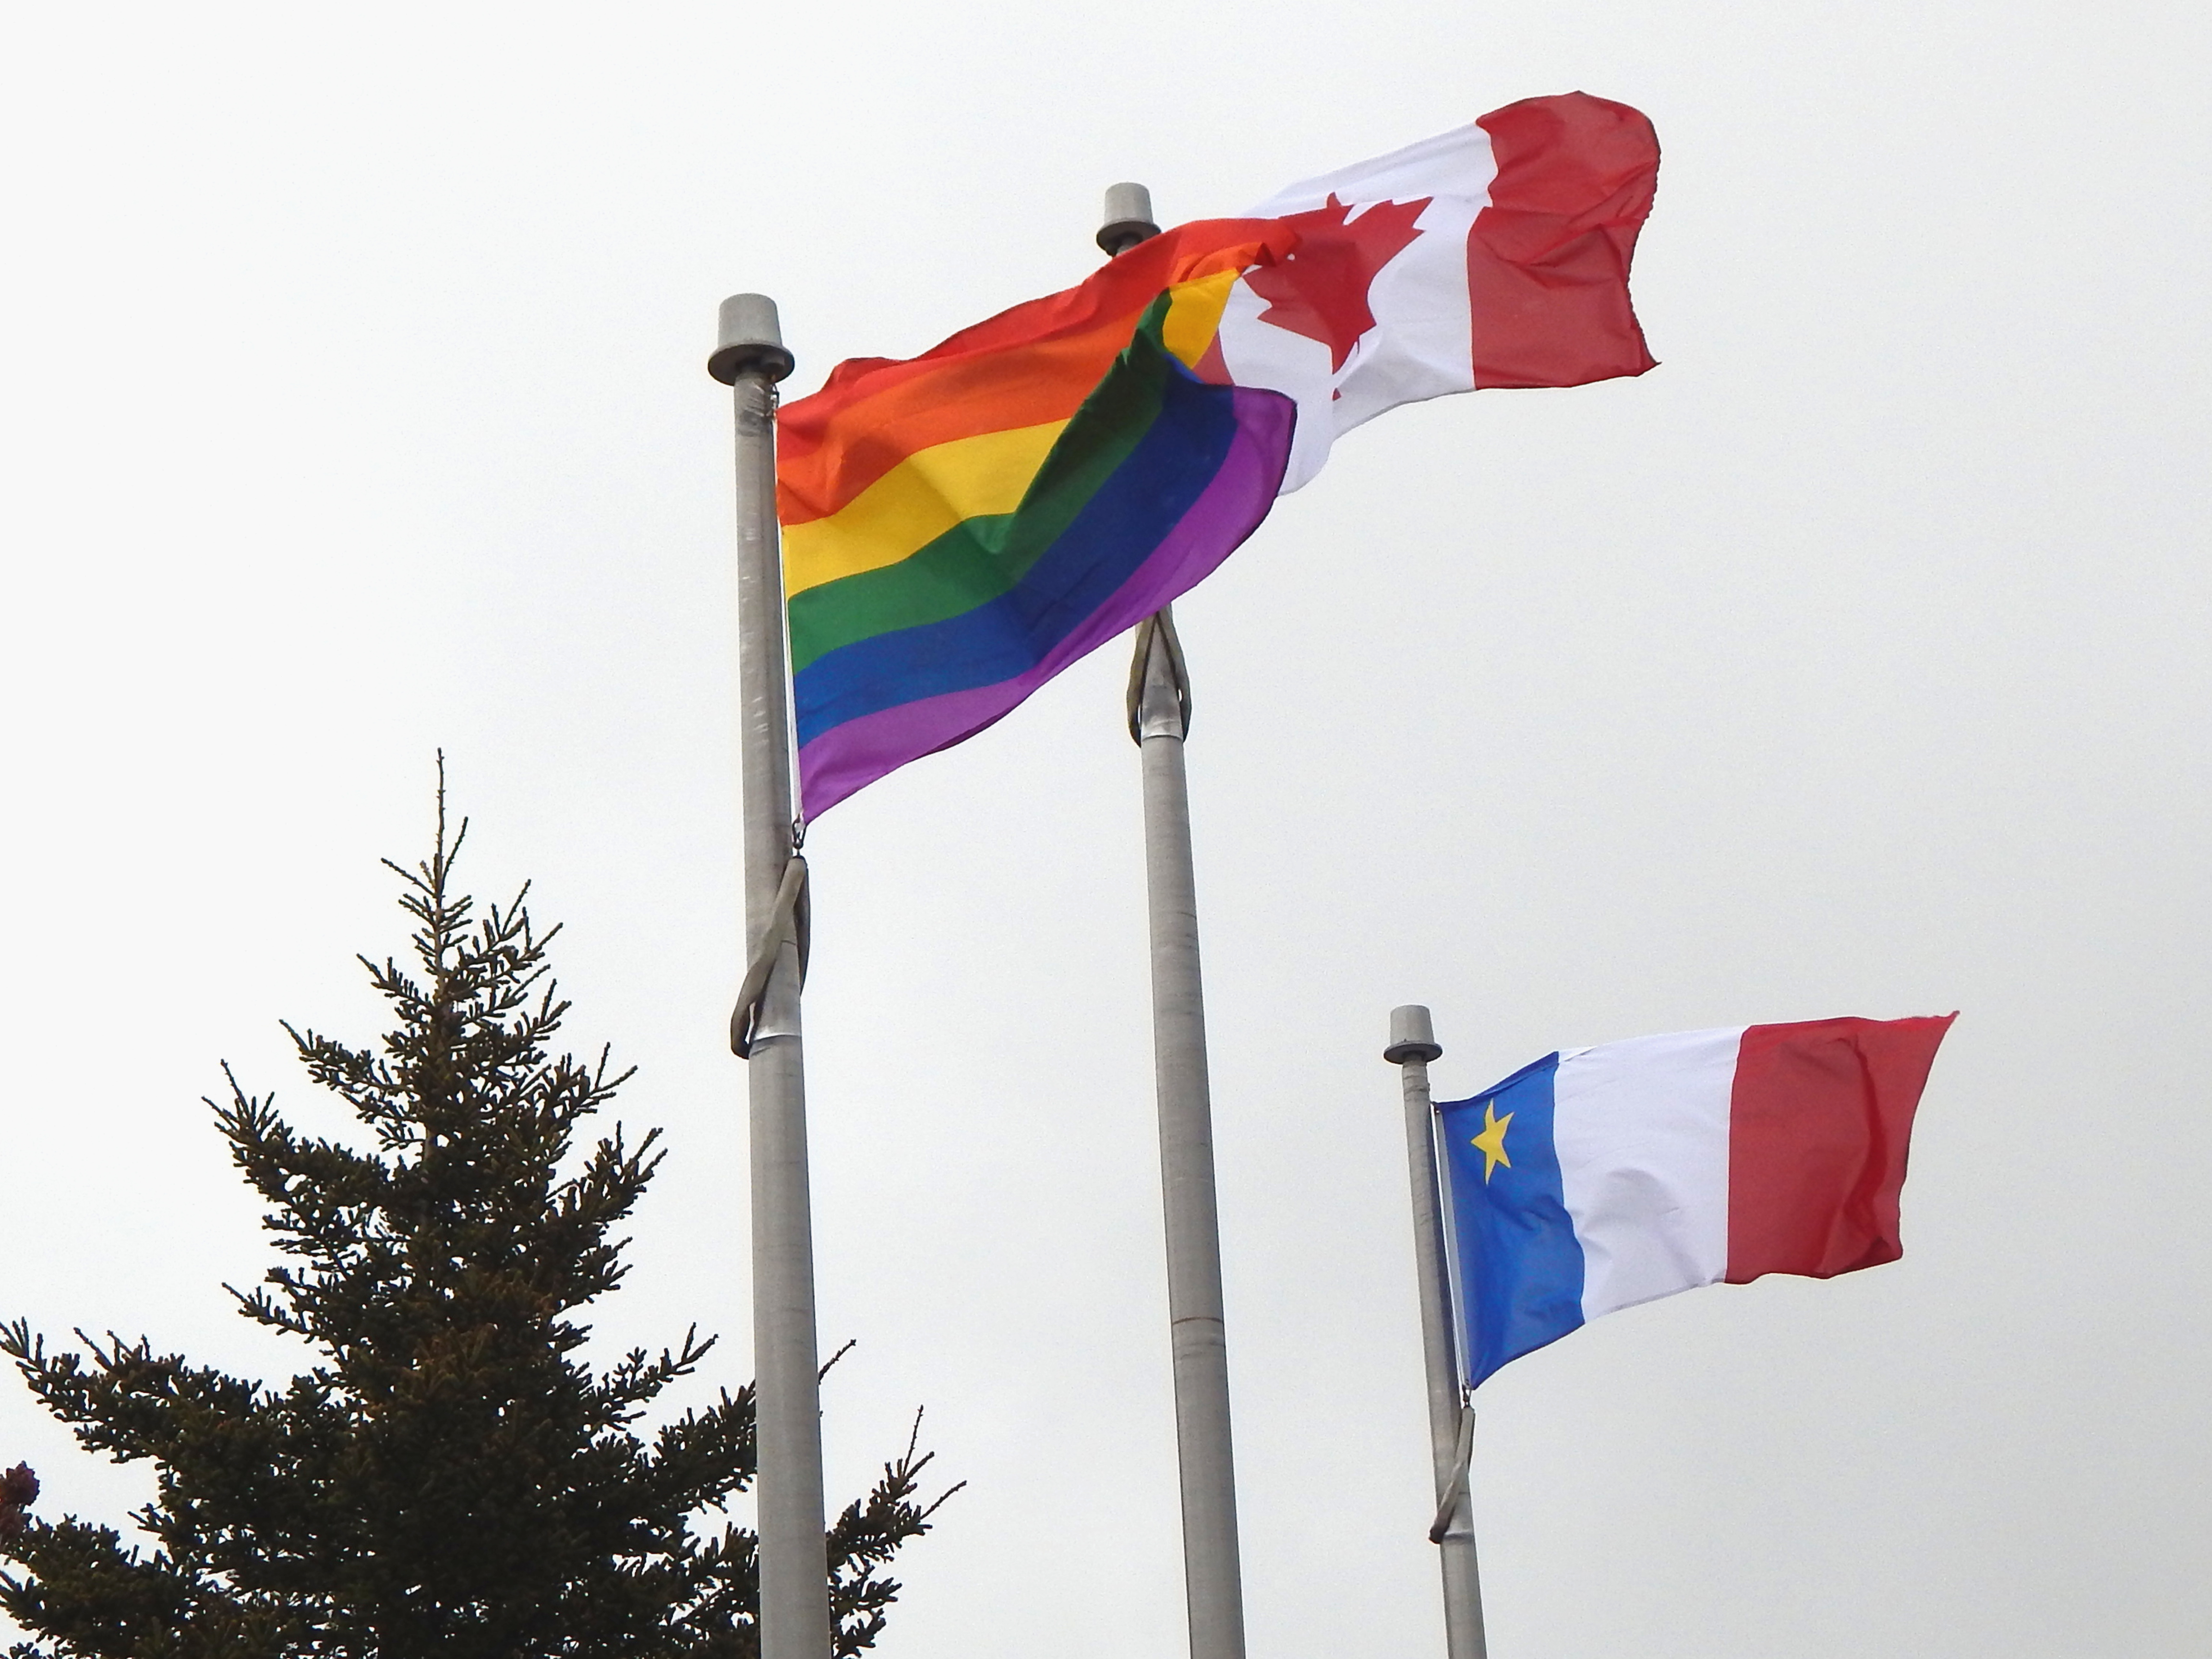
[789, 918]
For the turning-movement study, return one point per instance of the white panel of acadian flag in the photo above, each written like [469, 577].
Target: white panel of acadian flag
[1642, 1132]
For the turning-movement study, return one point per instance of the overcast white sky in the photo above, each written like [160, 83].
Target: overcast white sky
[1853, 661]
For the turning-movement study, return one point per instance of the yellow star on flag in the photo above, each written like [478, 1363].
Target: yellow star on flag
[1491, 1143]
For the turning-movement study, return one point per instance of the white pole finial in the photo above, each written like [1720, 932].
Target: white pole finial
[1412, 1036]
[1128, 218]
[750, 336]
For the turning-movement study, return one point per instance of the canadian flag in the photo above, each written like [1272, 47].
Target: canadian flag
[1494, 255]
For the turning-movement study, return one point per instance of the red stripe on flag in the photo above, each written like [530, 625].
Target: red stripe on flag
[1817, 1122]
[1547, 260]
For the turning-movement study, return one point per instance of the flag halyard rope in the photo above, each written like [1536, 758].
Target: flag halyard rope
[790, 918]
[1162, 622]
[1461, 1456]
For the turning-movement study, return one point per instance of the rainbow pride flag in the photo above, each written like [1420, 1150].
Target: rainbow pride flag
[959, 527]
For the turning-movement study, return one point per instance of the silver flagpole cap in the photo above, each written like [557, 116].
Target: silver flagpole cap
[750, 337]
[1128, 218]
[1411, 1037]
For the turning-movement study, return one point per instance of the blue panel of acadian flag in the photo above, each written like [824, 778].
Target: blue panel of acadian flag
[1520, 1265]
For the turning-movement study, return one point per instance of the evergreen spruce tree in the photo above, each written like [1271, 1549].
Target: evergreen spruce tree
[449, 1479]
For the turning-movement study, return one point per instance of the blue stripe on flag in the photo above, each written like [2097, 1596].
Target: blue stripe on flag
[1520, 1267]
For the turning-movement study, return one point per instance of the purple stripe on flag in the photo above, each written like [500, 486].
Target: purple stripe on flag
[851, 756]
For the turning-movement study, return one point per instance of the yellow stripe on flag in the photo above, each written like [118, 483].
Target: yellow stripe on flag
[1195, 315]
[917, 501]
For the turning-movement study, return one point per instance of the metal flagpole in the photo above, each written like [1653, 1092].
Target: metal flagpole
[795, 1593]
[1159, 719]
[1451, 1419]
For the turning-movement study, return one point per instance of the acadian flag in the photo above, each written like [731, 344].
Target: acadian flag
[960, 526]
[1598, 1178]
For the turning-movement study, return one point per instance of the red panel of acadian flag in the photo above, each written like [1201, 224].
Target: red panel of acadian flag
[1820, 1116]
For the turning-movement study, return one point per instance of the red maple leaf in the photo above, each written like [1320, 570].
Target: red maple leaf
[1319, 289]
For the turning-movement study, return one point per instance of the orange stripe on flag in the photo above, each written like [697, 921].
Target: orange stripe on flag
[1033, 363]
